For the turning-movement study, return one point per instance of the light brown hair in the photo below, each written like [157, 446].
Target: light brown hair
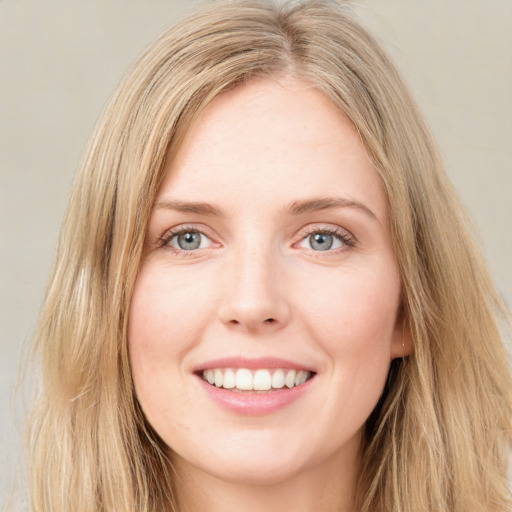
[439, 439]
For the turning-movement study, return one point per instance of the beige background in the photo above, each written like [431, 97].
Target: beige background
[60, 61]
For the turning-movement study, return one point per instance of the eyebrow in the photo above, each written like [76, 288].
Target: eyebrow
[295, 208]
[190, 207]
[327, 203]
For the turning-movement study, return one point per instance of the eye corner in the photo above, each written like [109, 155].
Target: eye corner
[330, 240]
[186, 240]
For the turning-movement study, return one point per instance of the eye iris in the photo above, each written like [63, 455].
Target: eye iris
[321, 241]
[189, 240]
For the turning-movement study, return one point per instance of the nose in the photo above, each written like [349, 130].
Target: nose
[254, 292]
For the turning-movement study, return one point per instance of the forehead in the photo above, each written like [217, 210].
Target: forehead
[281, 140]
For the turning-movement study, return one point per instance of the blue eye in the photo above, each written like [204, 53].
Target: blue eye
[188, 240]
[323, 241]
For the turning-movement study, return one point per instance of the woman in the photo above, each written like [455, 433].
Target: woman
[265, 295]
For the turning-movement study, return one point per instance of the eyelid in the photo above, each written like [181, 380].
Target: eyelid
[348, 239]
[169, 234]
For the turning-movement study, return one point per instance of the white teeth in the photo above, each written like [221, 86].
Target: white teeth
[278, 379]
[289, 380]
[301, 377]
[229, 379]
[244, 379]
[218, 377]
[262, 380]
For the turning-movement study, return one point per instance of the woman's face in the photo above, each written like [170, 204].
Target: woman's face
[268, 261]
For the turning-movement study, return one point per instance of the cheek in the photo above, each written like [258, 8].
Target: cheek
[163, 324]
[163, 313]
[354, 323]
[356, 311]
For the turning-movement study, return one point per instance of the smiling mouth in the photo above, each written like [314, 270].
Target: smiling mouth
[243, 380]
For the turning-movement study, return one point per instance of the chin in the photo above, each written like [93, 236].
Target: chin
[261, 462]
[254, 472]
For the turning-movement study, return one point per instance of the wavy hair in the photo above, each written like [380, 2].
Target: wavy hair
[440, 437]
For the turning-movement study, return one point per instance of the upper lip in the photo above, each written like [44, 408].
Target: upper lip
[251, 363]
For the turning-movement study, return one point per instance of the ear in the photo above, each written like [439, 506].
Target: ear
[402, 344]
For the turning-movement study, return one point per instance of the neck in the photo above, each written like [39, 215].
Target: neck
[329, 487]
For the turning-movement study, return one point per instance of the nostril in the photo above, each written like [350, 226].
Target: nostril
[269, 321]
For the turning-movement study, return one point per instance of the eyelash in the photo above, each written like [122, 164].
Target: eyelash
[165, 239]
[347, 239]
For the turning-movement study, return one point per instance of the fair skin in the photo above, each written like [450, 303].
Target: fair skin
[268, 249]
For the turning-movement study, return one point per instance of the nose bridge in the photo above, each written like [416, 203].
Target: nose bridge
[253, 296]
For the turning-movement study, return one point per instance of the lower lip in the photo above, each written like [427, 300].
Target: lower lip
[253, 404]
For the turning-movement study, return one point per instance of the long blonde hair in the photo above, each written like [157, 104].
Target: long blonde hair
[440, 437]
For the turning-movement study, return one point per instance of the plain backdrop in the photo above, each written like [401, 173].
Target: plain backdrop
[60, 60]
